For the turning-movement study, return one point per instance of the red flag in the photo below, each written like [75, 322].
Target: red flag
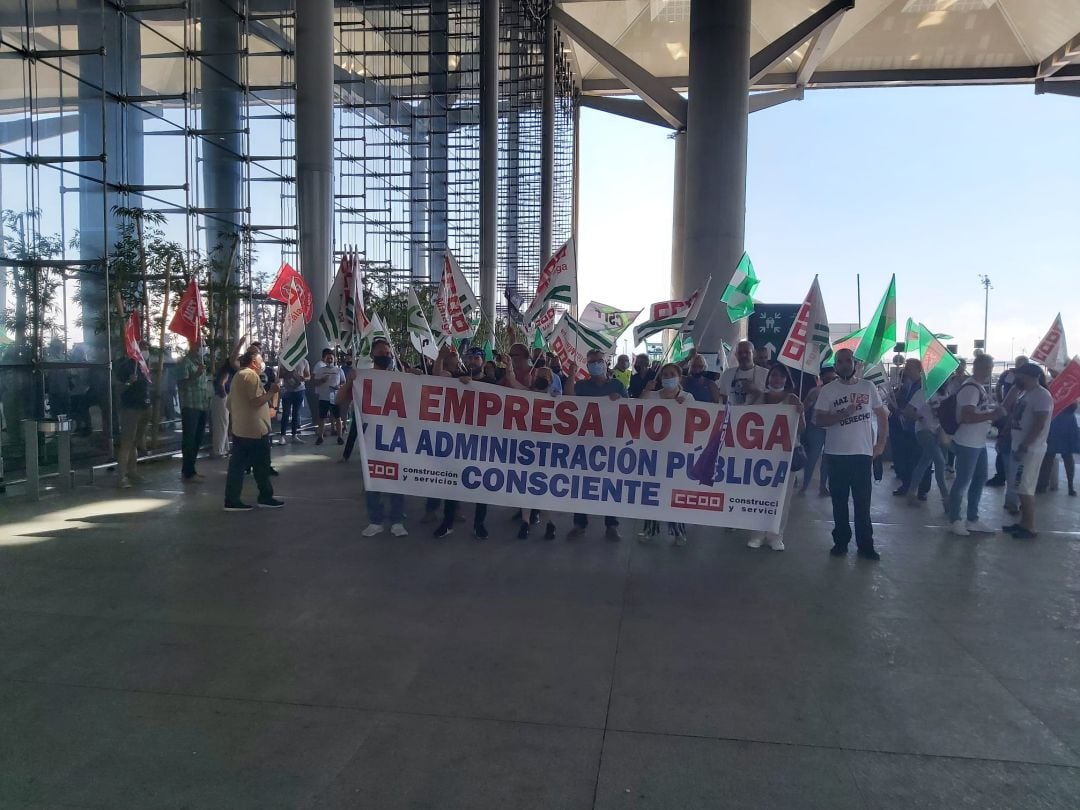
[190, 315]
[288, 285]
[1065, 388]
[132, 333]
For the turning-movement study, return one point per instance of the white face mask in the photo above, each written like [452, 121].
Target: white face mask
[775, 389]
[669, 383]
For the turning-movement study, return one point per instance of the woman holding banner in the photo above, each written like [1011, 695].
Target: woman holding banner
[779, 390]
[667, 385]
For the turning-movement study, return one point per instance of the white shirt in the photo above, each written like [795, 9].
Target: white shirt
[684, 395]
[925, 418]
[327, 378]
[730, 383]
[853, 436]
[972, 434]
[1031, 403]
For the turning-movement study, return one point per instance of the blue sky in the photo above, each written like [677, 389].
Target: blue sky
[936, 185]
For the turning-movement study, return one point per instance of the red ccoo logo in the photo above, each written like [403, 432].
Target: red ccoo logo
[383, 469]
[689, 499]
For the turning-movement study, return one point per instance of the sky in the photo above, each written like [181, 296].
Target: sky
[936, 185]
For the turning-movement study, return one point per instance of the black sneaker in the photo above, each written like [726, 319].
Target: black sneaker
[480, 532]
[534, 517]
[523, 532]
[549, 532]
[270, 503]
[238, 507]
[318, 440]
[869, 554]
[838, 551]
[340, 440]
[274, 472]
[1011, 527]
[1020, 533]
[900, 492]
[996, 482]
[443, 531]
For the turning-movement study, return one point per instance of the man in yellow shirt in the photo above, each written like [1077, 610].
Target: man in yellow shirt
[249, 415]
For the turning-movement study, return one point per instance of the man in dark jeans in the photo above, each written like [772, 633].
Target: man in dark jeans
[194, 388]
[292, 397]
[599, 384]
[249, 412]
[905, 446]
[848, 408]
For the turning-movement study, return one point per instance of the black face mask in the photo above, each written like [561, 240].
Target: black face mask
[382, 361]
[847, 376]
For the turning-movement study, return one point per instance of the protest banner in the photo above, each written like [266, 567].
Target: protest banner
[1065, 387]
[438, 437]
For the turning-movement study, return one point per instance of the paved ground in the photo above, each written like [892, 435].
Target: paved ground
[157, 652]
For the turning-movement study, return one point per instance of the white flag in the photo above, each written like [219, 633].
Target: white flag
[696, 300]
[608, 319]
[420, 330]
[455, 302]
[546, 322]
[808, 340]
[1052, 351]
[558, 281]
[572, 341]
[293, 337]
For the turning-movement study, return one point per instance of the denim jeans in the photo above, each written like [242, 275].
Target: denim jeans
[970, 477]
[192, 427]
[931, 454]
[375, 507]
[290, 408]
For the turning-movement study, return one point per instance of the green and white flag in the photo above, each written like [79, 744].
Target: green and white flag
[375, 329]
[880, 336]
[667, 315]
[696, 300]
[558, 282]
[681, 348]
[938, 364]
[877, 375]
[293, 335]
[338, 318]
[572, 341]
[607, 319]
[538, 341]
[420, 334]
[739, 295]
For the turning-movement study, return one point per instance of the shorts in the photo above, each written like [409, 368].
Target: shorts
[328, 408]
[1024, 471]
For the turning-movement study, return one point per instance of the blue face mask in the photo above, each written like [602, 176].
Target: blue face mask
[670, 383]
[597, 369]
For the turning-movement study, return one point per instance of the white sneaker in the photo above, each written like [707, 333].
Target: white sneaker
[980, 528]
[776, 543]
[756, 539]
[373, 530]
[959, 529]
[398, 530]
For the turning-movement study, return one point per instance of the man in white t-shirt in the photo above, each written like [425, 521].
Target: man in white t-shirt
[743, 384]
[328, 377]
[849, 408]
[1030, 427]
[975, 410]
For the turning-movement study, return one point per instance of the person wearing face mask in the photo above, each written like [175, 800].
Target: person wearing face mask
[847, 408]
[382, 359]
[698, 382]
[643, 374]
[328, 377]
[249, 414]
[598, 384]
[668, 385]
[779, 390]
[744, 383]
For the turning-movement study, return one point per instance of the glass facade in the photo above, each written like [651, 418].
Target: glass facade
[143, 145]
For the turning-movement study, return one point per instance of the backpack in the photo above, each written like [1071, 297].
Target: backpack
[947, 416]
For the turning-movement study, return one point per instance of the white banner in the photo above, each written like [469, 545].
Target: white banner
[1052, 350]
[651, 459]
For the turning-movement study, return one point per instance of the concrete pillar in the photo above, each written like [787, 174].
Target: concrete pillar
[715, 172]
[547, 143]
[222, 141]
[678, 215]
[315, 151]
[489, 162]
[438, 136]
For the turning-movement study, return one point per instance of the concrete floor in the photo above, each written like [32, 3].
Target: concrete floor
[156, 652]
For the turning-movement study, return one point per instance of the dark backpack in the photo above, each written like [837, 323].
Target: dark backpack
[947, 417]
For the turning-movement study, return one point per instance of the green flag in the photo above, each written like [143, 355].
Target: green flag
[938, 364]
[911, 336]
[489, 350]
[538, 341]
[739, 295]
[880, 336]
[681, 347]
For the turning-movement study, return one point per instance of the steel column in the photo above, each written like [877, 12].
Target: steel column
[315, 150]
[678, 214]
[547, 143]
[489, 162]
[716, 135]
[438, 137]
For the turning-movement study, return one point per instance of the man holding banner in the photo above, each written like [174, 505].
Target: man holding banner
[381, 357]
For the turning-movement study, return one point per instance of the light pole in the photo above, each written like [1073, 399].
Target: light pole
[985, 280]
